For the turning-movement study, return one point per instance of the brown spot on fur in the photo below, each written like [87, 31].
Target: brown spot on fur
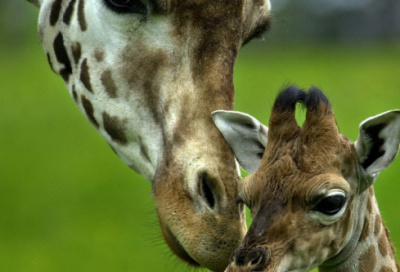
[62, 56]
[109, 84]
[99, 55]
[365, 230]
[76, 52]
[115, 128]
[378, 224]
[55, 12]
[68, 12]
[368, 259]
[81, 15]
[87, 105]
[145, 74]
[392, 250]
[383, 245]
[85, 76]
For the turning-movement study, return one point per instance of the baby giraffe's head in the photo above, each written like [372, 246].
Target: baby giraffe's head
[310, 192]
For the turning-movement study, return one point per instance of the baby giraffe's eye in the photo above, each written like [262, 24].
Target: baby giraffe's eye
[331, 204]
[127, 6]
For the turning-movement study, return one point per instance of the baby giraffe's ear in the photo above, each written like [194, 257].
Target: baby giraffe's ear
[378, 142]
[246, 136]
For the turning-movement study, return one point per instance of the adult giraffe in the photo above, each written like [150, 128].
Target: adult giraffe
[311, 197]
[147, 74]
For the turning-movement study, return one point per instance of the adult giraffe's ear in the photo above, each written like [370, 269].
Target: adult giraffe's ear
[246, 136]
[378, 142]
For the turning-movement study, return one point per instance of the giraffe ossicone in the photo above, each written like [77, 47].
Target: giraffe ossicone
[311, 196]
[147, 74]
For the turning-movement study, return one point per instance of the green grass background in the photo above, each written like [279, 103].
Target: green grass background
[67, 203]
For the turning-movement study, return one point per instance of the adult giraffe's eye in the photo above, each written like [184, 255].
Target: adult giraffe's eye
[331, 204]
[127, 6]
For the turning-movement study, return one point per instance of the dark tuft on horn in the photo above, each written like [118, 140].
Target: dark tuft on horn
[282, 122]
[288, 98]
[314, 98]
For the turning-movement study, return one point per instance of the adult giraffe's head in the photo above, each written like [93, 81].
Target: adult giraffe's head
[147, 74]
[311, 194]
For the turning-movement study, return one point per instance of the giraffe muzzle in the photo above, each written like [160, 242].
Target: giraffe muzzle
[252, 260]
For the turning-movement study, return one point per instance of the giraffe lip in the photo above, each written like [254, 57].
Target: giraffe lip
[179, 249]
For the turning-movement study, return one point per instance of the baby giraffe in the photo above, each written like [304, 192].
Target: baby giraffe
[311, 195]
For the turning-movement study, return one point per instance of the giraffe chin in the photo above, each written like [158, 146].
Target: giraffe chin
[177, 248]
[200, 248]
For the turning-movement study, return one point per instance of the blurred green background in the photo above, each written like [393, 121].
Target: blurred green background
[67, 203]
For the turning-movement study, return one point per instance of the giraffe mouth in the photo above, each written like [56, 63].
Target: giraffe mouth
[178, 248]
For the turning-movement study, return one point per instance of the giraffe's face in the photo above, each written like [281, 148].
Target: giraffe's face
[305, 197]
[303, 211]
[297, 228]
[147, 74]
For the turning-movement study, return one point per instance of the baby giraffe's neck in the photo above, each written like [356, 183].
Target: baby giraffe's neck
[373, 250]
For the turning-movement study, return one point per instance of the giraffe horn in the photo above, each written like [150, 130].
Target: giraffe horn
[320, 123]
[282, 122]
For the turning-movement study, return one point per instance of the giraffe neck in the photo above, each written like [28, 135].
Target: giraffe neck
[370, 249]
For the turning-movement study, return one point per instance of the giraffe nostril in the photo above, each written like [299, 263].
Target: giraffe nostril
[206, 192]
[254, 260]
[257, 259]
[210, 189]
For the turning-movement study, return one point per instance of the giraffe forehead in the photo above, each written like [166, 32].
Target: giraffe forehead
[308, 155]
